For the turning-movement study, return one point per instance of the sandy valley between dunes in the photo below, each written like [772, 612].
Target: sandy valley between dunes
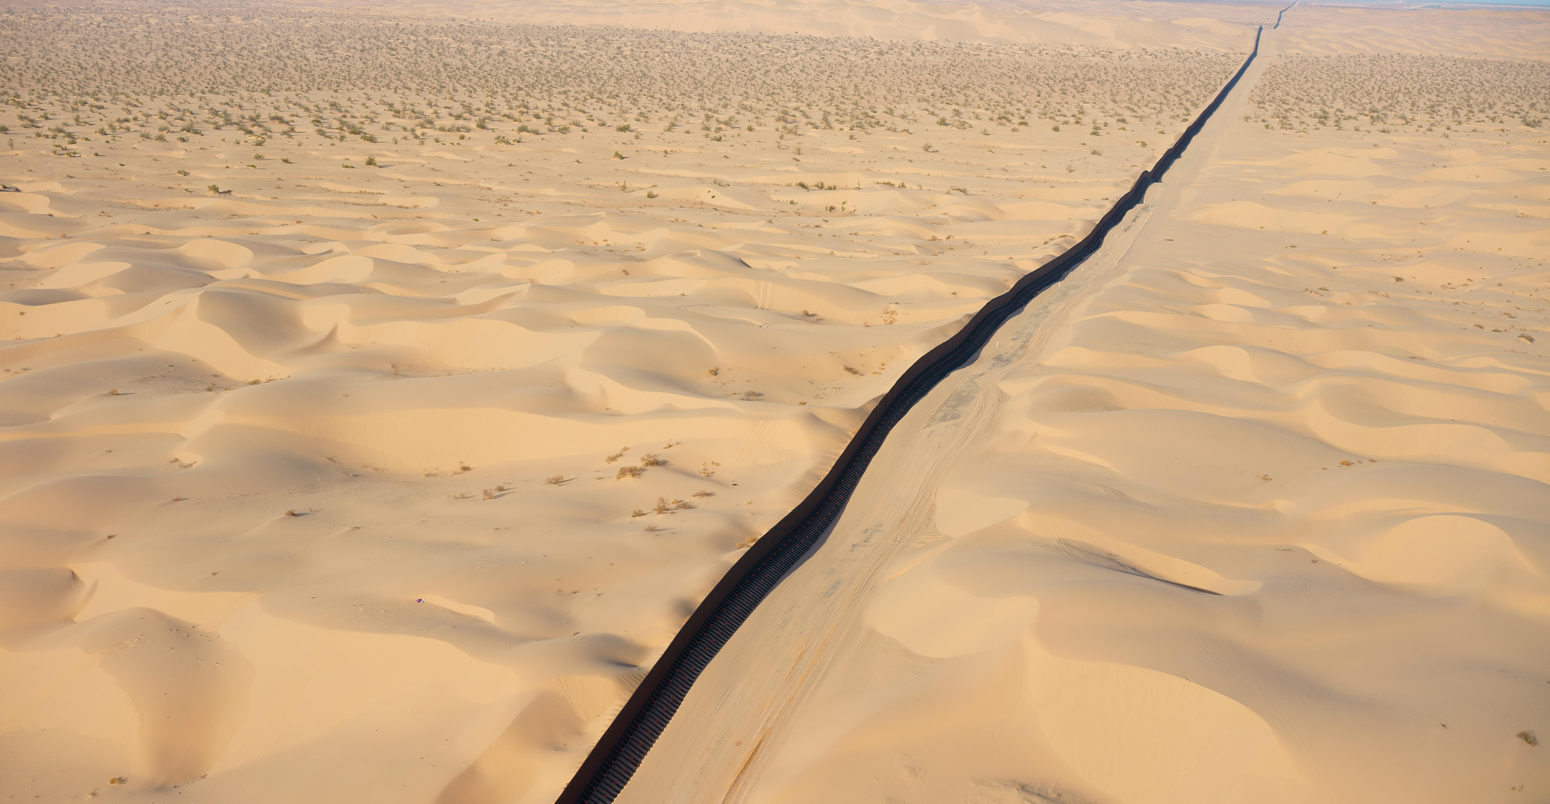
[368, 423]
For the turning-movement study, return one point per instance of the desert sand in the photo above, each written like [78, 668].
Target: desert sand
[1253, 507]
[380, 394]
[383, 386]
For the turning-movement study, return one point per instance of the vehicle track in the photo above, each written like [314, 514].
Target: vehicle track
[620, 751]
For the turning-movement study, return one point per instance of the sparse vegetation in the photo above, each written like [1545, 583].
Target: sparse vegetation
[495, 82]
[1397, 92]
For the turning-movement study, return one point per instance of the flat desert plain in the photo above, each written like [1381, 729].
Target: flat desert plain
[384, 385]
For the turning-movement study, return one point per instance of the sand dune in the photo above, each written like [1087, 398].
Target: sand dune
[380, 394]
[1492, 33]
[1251, 508]
[382, 388]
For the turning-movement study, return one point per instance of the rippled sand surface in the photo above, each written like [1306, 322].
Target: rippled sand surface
[380, 394]
[1252, 507]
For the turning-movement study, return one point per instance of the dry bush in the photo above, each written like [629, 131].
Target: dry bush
[1402, 92]
[282, 72]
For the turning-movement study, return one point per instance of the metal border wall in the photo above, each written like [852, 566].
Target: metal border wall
[621, 749]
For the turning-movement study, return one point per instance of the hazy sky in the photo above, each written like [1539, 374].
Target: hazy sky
[1540, 3]
[1537, 3]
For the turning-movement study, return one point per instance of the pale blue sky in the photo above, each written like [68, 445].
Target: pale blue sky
[1533, 3]
[1536, 3]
